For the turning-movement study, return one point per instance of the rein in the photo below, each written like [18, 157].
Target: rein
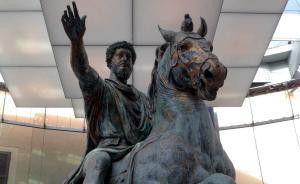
[180, 59]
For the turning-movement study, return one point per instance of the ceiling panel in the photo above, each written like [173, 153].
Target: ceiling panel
[24, 40]
[235, 87]
[239, 41]
[78, 107]
[143, 67]
[169, 15]
[8, 5]
[254, 6]
[35, 86]
[107, 20]
[242, 39]
[96, 55]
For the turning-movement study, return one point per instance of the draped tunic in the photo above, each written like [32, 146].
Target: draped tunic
[118, 115]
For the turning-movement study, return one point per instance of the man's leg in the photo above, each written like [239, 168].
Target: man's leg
[96, 166]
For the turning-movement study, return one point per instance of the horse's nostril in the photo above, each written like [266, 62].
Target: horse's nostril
[202, 84]
[208, 74]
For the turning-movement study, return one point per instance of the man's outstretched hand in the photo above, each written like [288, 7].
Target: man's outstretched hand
[74, 25]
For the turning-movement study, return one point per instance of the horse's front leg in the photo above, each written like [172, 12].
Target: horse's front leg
[222, 164]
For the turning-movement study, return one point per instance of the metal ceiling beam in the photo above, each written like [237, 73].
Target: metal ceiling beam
[273, 88]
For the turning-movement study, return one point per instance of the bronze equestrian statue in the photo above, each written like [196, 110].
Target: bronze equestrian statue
[184, 144]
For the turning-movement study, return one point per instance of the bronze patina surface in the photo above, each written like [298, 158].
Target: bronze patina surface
[183, 145]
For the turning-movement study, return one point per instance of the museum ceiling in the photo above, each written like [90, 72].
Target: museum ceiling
[35, 51]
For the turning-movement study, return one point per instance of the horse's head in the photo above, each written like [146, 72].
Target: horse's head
[189, 64]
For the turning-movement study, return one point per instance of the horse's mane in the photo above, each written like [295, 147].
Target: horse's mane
[152, 89]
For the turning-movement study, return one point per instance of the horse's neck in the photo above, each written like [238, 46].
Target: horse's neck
[180, 113]
[184, 115]
[173, 110]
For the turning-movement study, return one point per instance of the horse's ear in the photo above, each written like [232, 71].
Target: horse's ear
[169, 36]
[202, 31]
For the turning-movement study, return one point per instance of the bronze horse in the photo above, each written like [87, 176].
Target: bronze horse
[184, 145]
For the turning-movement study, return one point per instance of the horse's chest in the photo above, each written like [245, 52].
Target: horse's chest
[196, 130]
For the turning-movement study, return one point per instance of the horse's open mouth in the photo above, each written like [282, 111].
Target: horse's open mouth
[207, 94]
[211, 94]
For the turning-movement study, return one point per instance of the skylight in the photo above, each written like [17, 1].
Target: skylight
[289, 24]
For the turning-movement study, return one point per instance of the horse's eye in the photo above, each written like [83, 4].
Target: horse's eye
[184, 47]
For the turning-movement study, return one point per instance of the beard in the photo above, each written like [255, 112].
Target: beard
[122, 73]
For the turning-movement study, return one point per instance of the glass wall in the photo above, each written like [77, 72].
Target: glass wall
[51, 118]
[261, 109]
[261, 138]
[40, 156]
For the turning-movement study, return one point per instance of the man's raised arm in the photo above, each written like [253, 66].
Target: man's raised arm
[74, 27]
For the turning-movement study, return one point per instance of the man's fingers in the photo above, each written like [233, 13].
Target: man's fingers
[64, 19]
[83, 19]
[70, 12]
[75, 10]
[66, 15]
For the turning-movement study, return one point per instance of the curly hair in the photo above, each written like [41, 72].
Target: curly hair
[110, 51]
